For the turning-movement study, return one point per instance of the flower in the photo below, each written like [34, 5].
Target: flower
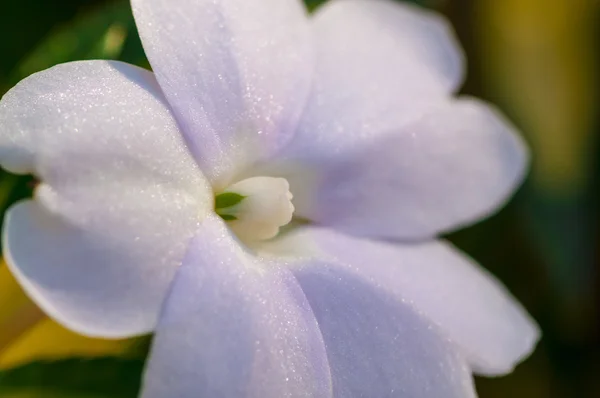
[161, 195]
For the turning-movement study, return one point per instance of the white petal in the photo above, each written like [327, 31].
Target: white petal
[380, 64]
[449, 168]
[381, 150]
[469, 306]
[120, 195]
[233, 328]
[236, 73]
[379, 346]
[406, 36]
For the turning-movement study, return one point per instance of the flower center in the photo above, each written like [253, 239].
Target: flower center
[255, 208]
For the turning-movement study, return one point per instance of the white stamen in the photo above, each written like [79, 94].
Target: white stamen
[266, 207]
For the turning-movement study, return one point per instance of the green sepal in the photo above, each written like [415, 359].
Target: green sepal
[228, 217]
[228, 199]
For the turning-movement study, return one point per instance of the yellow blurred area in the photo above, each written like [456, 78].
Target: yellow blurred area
[27, 335]
[17, 312]
[540, 62]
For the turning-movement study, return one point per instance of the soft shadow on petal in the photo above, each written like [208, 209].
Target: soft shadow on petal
[379, 346]
[492, 330]
[120, 195]
[449, 168]
[233, 327]
[237, 73]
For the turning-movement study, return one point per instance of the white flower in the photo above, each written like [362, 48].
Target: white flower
[352, 112]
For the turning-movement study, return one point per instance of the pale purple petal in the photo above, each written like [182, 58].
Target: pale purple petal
[235, 327]
[379, 346]
[448, 168]
[236, 73]
[382, 149]
[119, 198]
[469, 306]
[409, 37]
[379, 65]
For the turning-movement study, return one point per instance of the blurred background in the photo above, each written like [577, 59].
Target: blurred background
[537, 59]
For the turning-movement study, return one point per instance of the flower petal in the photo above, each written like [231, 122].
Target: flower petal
[470, 306]
[382, 150]
[379, 65]
[449, 168]
[119, 199]
[401, 40]
[232, 328]
[236, 73]
[377, 345]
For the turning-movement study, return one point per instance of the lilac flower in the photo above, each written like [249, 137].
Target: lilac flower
[162, 196]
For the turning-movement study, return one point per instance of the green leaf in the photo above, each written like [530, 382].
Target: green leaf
[228, 199]
[74, 377]
[101, 34]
